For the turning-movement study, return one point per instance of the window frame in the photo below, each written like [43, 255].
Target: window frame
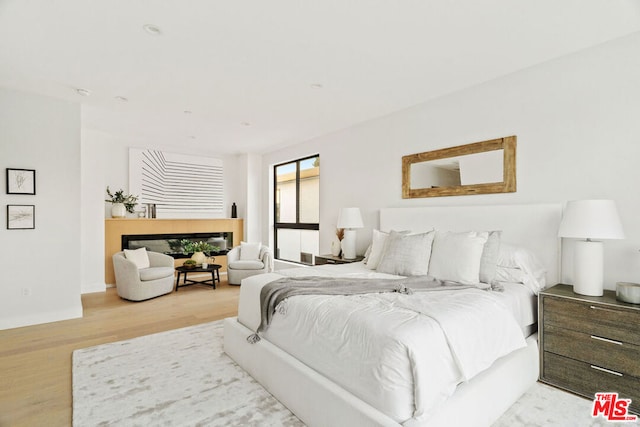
[290, 225]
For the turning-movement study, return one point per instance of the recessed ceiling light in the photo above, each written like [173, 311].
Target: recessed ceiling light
[154, 30]
[83, 92]
[122, 99]
[316, 86]
[246, 124]
[192, 136]
[188, 111]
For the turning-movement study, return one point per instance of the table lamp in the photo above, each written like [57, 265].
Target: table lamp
[349, 219]
[590, 219]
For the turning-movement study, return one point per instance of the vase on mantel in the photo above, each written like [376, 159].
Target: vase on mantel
[199, 257]
[118, 210]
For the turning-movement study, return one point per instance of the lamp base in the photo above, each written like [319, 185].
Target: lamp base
[588, 268]
[349, 244]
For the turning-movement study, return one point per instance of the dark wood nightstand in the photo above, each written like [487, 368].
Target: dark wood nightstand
[589, 344]
[330, 259]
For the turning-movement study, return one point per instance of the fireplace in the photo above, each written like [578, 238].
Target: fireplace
[225, 232]
[170, 244]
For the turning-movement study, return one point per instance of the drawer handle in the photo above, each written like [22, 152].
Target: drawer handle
[595, 307]
[606, 340]
[606, 370]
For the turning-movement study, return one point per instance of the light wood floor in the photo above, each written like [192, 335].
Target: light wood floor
[35, 361]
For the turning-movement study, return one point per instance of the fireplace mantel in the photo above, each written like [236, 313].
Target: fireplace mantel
[116, 227]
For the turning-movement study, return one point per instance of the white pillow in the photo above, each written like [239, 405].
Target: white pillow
[366, 254]
[489, 259]
[517, 275]
[517, 257]
[510, 275]
[456, 256]
[138, 256]
[377, 246]
[406, 254]
[249, 251]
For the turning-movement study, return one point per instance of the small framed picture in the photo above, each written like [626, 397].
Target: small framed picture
[21, 181]
[21, 217]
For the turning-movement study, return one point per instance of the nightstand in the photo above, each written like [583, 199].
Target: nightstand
[330, 259]
[589, 344]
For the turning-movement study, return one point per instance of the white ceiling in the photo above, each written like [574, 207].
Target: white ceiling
[238, 62]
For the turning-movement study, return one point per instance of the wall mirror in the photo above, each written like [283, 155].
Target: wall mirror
[480, 168]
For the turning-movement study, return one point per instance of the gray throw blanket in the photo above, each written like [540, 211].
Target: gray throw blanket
[273, 293]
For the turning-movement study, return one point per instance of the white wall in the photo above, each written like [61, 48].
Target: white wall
[112, 151]
[253, 210]
[247, 194]
[40, 278]
[576, 119]
[93, 186]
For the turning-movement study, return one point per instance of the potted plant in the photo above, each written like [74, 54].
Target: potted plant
[189, 264]
[122, 203]
[197, 249]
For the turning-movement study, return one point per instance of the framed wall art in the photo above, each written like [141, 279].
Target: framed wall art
[21, 181]
[180, 185]
[21, 217]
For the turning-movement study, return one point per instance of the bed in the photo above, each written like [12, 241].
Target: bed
[328, 384]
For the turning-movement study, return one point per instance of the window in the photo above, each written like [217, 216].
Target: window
[297, 209]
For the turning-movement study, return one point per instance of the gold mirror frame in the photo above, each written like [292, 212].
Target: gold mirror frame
[508, 184]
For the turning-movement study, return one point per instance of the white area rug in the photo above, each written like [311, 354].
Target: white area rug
[184, 378]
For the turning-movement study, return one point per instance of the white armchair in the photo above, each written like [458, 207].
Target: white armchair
[240, 267]
[137, 284]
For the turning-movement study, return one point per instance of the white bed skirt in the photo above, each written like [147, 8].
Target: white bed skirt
[318, 401]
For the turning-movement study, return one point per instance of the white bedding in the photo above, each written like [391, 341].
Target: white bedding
[392, 350]
[520, 299]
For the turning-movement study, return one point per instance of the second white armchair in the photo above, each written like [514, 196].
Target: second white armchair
[247, 260]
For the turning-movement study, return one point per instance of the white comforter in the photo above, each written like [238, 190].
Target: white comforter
[403, 354]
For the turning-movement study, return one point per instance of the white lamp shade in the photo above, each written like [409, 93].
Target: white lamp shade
[591, 219]
[350, 218]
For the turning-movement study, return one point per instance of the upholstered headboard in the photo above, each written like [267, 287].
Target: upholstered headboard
[534, 227]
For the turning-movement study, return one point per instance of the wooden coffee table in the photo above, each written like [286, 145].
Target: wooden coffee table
[214, 269]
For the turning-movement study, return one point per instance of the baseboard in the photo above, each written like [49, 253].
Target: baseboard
[94, 287]
[39, 318]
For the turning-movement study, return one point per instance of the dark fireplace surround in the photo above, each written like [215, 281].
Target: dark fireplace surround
[169, 244]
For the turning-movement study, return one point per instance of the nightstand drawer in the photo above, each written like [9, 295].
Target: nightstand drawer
[586, 379]
[593, 319]
[614, 355]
